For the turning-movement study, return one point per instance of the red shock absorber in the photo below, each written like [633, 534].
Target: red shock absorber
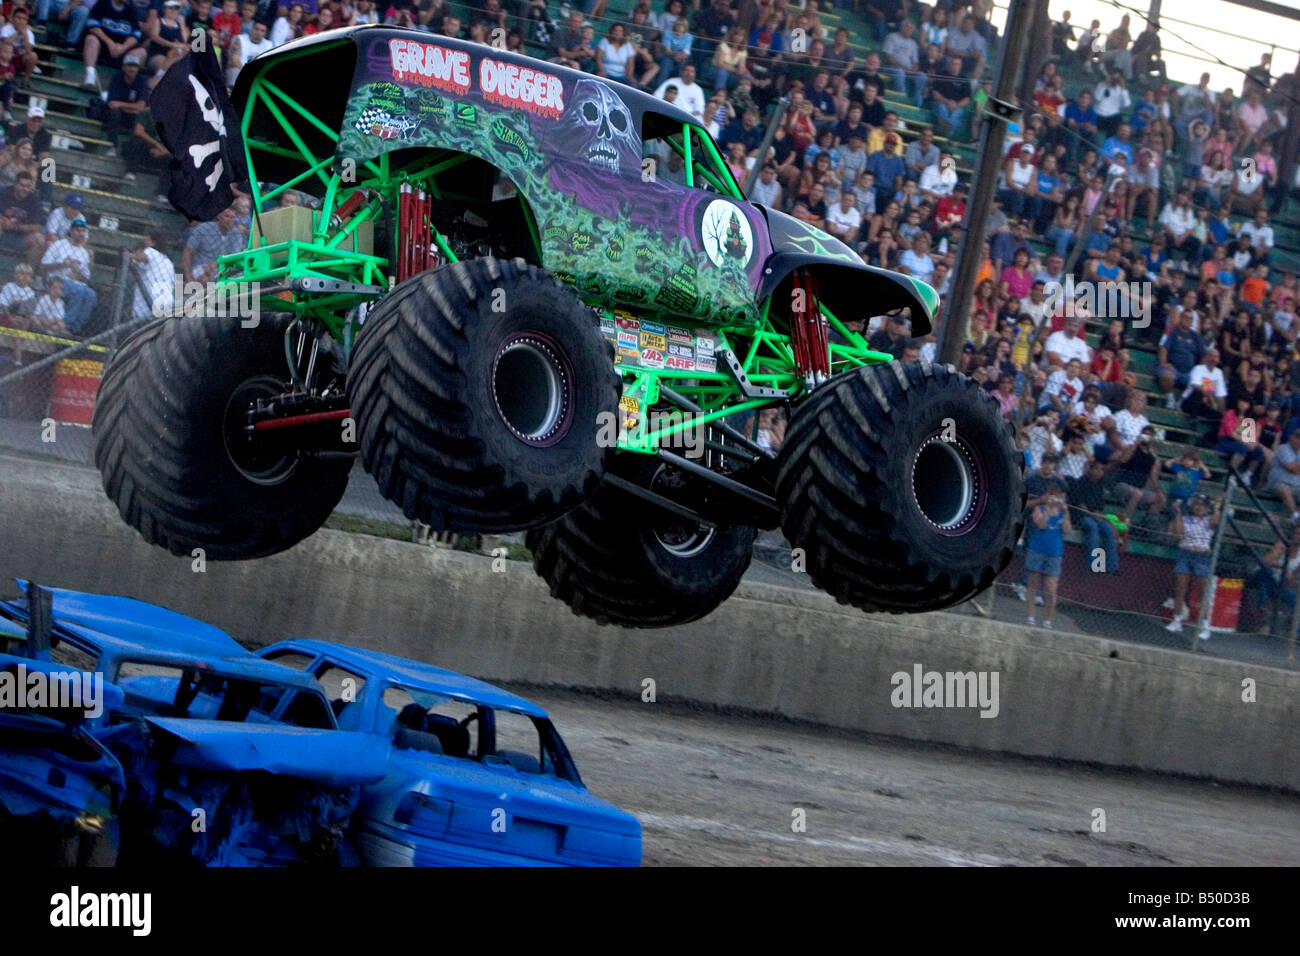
[809, 333]
[416, 249]
[405, 205]
[430, 256]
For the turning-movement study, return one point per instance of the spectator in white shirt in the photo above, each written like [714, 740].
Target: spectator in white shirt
[1178, 219]
[843, 219]
[244, 48]
[938, 179]
[154, 285]
[1067, 344]
[917, 260]
[60, 220]
[69, 259]
[1036, 305]
[767, 191]
[1064, 387]
[1111, 102]
[1206, 388]
[690, 96]
[1260, 232]
[47, 314]
[17, 296]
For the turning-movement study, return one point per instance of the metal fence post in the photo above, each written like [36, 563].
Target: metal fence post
[119, 293]
[1295, 616]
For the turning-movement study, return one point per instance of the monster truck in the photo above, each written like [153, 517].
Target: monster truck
[528, 298]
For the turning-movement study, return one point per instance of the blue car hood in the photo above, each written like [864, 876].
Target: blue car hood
[331, 757]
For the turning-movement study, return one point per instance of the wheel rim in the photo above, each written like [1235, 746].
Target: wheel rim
[532, 386]
[260, 465]
[675, 534]
[949, 487]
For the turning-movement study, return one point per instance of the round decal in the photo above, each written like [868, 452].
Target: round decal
[727, 235]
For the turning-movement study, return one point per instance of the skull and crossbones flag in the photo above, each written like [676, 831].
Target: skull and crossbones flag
[198, 125]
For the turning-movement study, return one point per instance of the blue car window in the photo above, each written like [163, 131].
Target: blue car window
[294, 659]
[339, 684]
[65, 652]
[519, 743]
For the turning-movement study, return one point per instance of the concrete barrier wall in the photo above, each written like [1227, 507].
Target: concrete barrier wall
[769, 649]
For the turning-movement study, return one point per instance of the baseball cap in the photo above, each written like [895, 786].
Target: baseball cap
[132, 58]
[74, 200]
[79, 222]
[35, 112]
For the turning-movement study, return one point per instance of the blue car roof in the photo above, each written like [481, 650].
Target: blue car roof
[414, 674]
[135, 630]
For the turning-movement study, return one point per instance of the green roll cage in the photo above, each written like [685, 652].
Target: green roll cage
[763, 350]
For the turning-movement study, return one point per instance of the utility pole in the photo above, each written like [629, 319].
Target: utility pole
[1038, 51]
[774, 120]
[1000, 111]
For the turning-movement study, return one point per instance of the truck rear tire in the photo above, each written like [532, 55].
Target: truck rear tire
[902, 485]
[479, 389]
[620, 560]
[168, 441]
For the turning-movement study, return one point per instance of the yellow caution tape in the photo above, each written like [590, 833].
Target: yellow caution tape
[79, 368]
[42, 337]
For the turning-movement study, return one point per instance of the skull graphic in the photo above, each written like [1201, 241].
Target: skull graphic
[600, 127]
[212, 116]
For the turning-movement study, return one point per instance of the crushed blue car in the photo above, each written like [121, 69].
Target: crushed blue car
[308, 752]
[200, 752]
[476, 775]
[59, 786]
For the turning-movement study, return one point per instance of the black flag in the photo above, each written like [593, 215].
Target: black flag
[198, 124]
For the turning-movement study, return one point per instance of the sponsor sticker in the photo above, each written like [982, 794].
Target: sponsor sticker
[652, 358]
[651, 340]
[655, 328]
[628, 340]
[625, 323]
[679, 335]
[626, 356]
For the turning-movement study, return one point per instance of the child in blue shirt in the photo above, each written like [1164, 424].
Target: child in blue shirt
[1050, 524]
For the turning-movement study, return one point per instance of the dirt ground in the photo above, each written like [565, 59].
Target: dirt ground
[715, 790]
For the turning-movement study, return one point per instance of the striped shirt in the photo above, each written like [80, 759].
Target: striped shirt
[1197, 533]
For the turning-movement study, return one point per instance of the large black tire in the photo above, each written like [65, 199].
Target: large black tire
[479, 389]
[902, 485]
[619, 560]
[170, 405]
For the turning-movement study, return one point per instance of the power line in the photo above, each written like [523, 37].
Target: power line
[1213, 57]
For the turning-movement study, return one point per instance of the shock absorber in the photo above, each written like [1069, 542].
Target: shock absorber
[416, 249]
[809, 332]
